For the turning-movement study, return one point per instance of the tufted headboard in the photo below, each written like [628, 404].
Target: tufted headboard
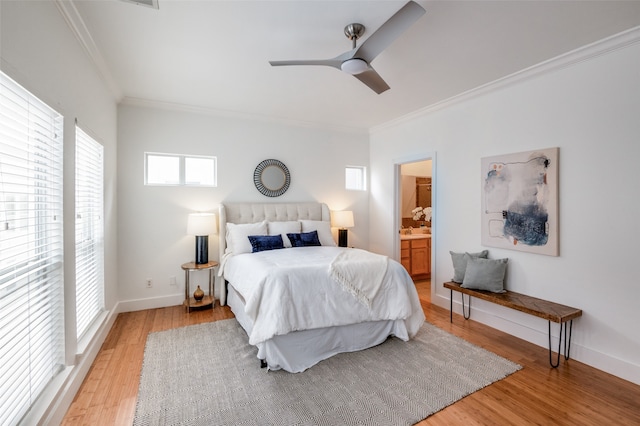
[272, 212]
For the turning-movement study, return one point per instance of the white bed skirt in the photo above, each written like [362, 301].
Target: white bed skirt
[298, 351]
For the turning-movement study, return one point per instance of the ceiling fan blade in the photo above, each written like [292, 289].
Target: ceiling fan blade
[389, 31]
[326, 62]
[373, 80]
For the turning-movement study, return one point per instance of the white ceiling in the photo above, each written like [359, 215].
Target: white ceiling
[214, 54]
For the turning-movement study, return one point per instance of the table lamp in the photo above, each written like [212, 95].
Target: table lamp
[202, 225]
[342, 220]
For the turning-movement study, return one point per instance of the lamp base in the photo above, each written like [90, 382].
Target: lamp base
[342, 238]
[202, 249]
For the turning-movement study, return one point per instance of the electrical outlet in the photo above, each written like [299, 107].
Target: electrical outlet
[149, 283]
[172, 281]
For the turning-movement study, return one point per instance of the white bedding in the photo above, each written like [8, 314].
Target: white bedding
[360, 273]
[291, 289]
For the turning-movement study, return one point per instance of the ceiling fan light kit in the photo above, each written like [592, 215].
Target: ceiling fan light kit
[357, 61]
[354, 66]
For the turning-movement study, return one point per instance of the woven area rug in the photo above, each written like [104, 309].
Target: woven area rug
[207, 374]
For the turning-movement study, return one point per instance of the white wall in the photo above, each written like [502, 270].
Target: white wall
[40, 53]
[588, 109]
[152, 220]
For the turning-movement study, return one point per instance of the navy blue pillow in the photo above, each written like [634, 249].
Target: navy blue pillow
[265, 242]
[304, 239]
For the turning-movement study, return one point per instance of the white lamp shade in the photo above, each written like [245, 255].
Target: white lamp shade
[342, 219]
[201, 224]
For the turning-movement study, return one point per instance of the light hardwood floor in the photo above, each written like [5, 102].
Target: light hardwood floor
[573, 394]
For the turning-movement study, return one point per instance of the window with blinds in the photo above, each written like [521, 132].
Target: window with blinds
[89, 231]
[31, 249]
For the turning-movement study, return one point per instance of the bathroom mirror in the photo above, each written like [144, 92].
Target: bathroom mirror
[423, 192]
[271, 178]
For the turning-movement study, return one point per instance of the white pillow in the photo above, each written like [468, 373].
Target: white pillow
[324, 230]
[238, 236]
[284, 228]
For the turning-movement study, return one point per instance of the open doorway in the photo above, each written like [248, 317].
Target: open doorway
[415, 221]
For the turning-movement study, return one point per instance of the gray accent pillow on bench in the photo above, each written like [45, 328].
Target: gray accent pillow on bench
[485, 274]
[460, 263]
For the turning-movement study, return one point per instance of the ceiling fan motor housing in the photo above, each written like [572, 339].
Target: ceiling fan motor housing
[354, 32]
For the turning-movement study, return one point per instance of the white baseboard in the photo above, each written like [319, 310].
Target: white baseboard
[535, 330]
[151, 303]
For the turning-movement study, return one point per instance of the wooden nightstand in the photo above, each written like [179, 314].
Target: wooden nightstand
[208, 299]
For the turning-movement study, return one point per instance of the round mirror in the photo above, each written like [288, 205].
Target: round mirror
[271, 178]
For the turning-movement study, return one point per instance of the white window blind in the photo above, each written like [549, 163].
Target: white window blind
[89, 231]
[31, 252]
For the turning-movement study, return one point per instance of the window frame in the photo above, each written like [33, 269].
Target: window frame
[182, 172]
[363, 178]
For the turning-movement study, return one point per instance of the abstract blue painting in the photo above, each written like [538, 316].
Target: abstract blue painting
[520, 201]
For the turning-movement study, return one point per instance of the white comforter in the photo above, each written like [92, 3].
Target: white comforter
[291, 289]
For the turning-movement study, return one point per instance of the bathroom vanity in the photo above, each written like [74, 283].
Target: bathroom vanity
[415, 254]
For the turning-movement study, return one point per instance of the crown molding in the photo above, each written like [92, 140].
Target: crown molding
[75, 22]
[582, 54]
[213, 112]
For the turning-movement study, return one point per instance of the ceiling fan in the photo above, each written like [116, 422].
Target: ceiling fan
[357, 61]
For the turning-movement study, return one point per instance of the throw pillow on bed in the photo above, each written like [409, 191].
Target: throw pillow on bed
[324, 230]
[237, 233]
[304, 239]
[485, 274]
[265, 242]
[460, 263]
[284, 228]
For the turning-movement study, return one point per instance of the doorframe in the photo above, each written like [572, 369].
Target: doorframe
[397, 196]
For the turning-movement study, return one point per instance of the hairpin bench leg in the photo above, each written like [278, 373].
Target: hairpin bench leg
[567, 343]
[567, 347]
[464, 314]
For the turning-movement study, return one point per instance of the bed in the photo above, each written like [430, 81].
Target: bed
[299, 297]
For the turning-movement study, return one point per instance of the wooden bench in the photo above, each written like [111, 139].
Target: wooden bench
[541, 308]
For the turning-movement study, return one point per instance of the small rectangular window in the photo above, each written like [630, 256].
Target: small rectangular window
[162, 170]
[355, 178]
[199, 171]
[178, 169]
